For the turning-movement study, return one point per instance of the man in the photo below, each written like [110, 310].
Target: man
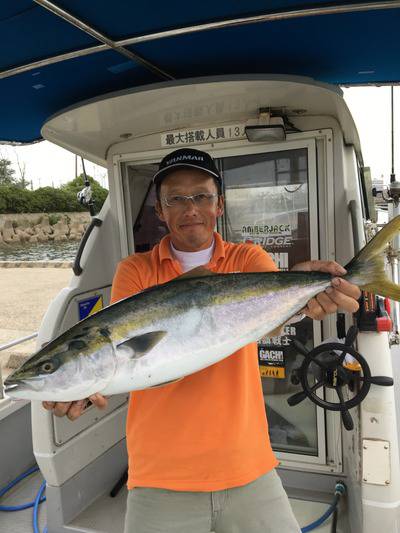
[200, 458]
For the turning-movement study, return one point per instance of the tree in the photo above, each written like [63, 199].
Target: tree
[6, 172]
[22, 183]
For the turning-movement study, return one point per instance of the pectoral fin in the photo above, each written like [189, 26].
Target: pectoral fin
[141, 344]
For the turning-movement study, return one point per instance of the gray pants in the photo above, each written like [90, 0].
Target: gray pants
[261, 506]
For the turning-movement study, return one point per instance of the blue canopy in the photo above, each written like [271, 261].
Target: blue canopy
[48, 63]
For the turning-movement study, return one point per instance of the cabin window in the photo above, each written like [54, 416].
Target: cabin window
[267, 203]
[271, 200]
[140, 199]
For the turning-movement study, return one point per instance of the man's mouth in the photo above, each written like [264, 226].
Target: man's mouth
[191, 224]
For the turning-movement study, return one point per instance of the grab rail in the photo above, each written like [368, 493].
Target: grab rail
[18, 341]
[9, 345]
[95, 222]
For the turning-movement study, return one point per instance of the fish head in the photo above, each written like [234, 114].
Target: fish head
[78, 363]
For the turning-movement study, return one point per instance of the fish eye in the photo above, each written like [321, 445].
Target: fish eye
[47, 367]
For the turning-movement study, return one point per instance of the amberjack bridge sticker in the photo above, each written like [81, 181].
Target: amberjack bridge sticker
[89, 306]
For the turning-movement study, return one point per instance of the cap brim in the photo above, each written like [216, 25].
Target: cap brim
[161, 174]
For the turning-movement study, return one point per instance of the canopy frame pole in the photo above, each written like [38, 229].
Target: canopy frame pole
[71, 19]
[268, 17]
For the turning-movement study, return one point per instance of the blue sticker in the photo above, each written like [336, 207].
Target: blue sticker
[89, 306]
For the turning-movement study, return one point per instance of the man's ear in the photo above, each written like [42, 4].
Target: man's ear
[159, 212]
[220, 206]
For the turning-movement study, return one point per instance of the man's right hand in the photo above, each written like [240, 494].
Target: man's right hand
[73, 410]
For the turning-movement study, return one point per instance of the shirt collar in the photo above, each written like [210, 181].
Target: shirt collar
[219, 250]
[164, 249]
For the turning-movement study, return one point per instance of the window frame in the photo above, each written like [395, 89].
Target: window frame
[319, 144]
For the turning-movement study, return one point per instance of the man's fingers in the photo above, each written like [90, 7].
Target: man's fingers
[331, 267]
[314, 310]
[76, 409]
[346, 288]
[99, 400]
[328, 305]
[61, 408]
[343, 302]
[73, 410]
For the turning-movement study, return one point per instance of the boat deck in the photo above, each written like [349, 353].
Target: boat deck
[106, 514]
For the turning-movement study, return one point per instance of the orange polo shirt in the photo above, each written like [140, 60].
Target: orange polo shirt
[208, 431]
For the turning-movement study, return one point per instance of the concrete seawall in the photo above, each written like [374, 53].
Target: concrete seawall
[36, 264]
[26, 291]
[42, 227]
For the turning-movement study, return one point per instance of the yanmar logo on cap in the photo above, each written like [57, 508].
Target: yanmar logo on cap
[188, 157]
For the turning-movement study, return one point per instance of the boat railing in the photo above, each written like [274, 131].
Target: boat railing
[15, 342]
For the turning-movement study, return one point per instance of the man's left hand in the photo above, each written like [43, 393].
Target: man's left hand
[342, 295]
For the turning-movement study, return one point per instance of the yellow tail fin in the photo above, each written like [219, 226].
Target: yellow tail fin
[367, 268]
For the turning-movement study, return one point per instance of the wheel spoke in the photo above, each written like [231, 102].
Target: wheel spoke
[351, 336]
[342, 357]
[340, 395]
[317, 385]
[325, 366]
[302, 349]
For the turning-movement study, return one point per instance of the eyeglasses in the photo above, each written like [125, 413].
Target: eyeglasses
[202, 199]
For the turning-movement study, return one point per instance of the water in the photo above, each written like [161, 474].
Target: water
[40, 251]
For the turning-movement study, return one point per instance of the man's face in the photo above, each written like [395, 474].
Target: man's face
[191, 226]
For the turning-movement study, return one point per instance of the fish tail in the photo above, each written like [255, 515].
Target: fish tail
[367, 268]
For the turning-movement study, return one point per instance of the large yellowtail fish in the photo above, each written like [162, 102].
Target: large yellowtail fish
[169, 331]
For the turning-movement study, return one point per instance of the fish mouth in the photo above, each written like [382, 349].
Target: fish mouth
[11, 385]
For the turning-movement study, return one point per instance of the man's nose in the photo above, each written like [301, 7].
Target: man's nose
[190, 206]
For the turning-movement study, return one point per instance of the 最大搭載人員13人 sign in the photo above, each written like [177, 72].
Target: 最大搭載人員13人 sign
[203, 135]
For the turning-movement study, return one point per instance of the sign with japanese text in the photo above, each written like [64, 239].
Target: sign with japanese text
[271, 353]
[271, 361]
[203, 135]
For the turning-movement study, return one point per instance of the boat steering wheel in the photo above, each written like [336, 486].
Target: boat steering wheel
[324, 365]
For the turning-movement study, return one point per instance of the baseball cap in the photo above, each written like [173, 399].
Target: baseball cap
[186, 158]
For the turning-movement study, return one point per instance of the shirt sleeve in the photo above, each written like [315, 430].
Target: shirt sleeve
[258, 260]
[126, 282]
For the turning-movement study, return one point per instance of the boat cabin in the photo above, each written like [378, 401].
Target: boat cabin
[294, 182]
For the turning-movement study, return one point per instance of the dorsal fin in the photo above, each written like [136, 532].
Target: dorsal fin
[196, 273]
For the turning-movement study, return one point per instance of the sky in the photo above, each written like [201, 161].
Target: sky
[47, 164]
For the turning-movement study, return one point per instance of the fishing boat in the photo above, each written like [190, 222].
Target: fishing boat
[257, 85]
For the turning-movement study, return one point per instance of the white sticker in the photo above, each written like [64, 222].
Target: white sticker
[257, 230]
[281, 259]
[203, 135]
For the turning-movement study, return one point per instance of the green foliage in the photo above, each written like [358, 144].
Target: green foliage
[48, 199]
[6, 172]
[15, 199]
[53, 219]
[3, 203]
[22, 183]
